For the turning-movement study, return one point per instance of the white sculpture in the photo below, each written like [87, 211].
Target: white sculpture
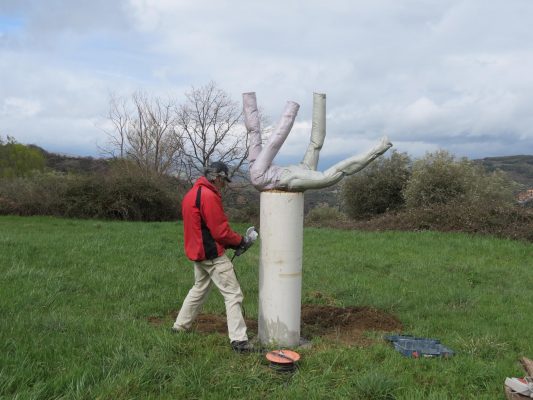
[282, 213]
[297, 178]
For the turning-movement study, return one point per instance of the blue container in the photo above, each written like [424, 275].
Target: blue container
[416, 347]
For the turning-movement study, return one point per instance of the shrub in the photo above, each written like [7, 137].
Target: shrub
[39, 194]
[248, 214]
[511, 222]
[241, 203]
[127, 196]
[324, 215]
[378, 188]
[140, 199]
[439, 178]
[17, 160]
[446, 194]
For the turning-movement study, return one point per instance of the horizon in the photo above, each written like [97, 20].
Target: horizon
[324, 162]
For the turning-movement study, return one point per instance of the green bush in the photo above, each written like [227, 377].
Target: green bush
[140, 199]
[241, 203]
[18, 160]
[39, 194]
[439, 178]
[245, 214]
[446, 194]
[127, 196]
[325, 216]
[378, 188]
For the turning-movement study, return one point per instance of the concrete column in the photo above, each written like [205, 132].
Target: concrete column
[280, 267]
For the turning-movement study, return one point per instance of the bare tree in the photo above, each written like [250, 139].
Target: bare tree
[161, 136]
[209, 123]
[144, 131]
[119, 116]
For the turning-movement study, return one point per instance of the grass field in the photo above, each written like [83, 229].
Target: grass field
[76, 298]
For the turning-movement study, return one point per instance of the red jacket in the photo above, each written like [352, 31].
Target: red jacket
[206, 229]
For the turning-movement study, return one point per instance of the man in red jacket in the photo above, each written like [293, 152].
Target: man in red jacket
[207, 234]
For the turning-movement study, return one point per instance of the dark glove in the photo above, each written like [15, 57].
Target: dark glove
[243, 246]
[247, 240]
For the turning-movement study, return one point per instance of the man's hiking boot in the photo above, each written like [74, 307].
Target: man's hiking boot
[242, 346]
[177, 330]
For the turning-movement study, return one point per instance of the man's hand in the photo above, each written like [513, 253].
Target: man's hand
[248, 239]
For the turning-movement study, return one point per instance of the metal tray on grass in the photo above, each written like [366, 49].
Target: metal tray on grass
[416, 347]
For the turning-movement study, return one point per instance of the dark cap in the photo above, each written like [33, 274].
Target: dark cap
[218, 168]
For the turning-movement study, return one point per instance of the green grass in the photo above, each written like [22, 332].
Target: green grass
[76, 297]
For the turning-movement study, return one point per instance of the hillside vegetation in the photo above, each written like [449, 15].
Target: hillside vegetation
[519, 167]
[436, 192]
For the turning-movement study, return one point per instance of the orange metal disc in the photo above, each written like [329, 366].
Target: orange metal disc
[282, 356]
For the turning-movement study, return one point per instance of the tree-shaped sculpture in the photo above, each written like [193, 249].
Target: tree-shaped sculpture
[281, 216]
[297, 178]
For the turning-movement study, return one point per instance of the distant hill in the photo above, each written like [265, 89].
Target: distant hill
[73, 164]
[519, 168]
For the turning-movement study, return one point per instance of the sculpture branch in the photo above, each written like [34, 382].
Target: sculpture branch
[297, 178]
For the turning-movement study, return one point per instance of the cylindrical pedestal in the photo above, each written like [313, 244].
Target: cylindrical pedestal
[280, 267]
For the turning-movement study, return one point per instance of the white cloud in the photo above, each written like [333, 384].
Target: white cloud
[422, 113]
[451, 74]
[16, 107]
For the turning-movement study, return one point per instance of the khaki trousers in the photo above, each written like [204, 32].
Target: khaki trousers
[220, 272]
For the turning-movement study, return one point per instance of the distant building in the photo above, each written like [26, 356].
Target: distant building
[525, 196]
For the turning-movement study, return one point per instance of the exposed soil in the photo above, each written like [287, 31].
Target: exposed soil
[346, 325]
[342, 325]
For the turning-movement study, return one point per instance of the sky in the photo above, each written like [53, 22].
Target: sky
[430, 74]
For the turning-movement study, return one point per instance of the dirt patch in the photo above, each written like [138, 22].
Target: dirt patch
[348, 325]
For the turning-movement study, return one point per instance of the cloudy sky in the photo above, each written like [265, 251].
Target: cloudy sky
[430, 74]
